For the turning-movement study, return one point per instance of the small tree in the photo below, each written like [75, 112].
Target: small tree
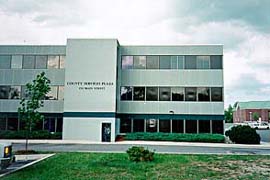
[34, 96]
[255, 116]
[228, 113]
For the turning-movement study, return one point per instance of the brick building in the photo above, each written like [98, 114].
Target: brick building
[244, 111]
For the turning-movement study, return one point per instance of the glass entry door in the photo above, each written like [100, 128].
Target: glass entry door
[106, 132]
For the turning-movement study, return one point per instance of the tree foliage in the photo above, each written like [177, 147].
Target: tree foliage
[33, 101]
[255, 116]
[229, 114]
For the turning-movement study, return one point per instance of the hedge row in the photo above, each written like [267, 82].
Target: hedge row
[212, 138]
[33, 135]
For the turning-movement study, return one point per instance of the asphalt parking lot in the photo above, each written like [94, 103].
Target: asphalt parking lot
[265, 135]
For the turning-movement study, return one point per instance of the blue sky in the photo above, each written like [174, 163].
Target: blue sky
[242, 26]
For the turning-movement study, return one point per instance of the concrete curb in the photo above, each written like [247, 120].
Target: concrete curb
[26, 165]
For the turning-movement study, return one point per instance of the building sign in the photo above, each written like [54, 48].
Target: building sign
[95, 85]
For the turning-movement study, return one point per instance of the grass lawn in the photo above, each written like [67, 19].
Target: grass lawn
[117, 166]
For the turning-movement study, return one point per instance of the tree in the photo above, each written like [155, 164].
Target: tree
[229, 114]
[255, 116]
[34, 96]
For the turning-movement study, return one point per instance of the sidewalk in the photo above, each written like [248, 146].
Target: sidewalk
[161, 143]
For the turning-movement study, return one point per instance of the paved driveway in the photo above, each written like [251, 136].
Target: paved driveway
[265, 135]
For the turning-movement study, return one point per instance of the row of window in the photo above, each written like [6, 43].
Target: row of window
[129, 93]
[172, 62]
[171, 126]
[19, 92]
[52, 124]
[32, 61]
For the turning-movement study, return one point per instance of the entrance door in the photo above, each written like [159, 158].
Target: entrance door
[106, 132]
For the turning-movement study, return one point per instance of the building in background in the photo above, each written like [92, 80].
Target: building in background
[101, 89]
[244, 111]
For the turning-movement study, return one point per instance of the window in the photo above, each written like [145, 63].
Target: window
[24, 92]
[216, 62]
[52, 95]
[28, 62]
[151, 125]
[177, 126]
[190, 94]
[139, 62]
[62, 62]
[3, 123]
[173, 62]
[16, 62]
[165, 62]
[190, 62]
[49, 124]
[164, 93]
[59, 125]
[191, 126]
[127, 62]
[41, 62]
[269, 115]
[5, 61]
[138, 93]
[15, 92]
[61, 92]
[216, 94]
[152, 62]
[126, 93]
[203, 62]
[181, 62]
[203, 94]
[217, 126]
[177, 94]
[151, 94]
[4, 92]
[204, 126]
[125, 125]
[165, 125]
[12, 124]
[53, 62]
[138, 125]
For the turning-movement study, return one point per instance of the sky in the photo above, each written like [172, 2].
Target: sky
[242, 26]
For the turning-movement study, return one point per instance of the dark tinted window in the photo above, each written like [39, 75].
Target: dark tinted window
[177, 126]
[125, 125]
[15, 92]
[190, 94]
[177, 94]
[203, 94]
[165, 126]
[217, 127]
[53, 62]
[62, 62]
[191, 126]
[126, 93]
[204, 126]
[164, 93]
[138, 93]
[4, 92]
[151, 125]
[216, 62]
[139, 62]
[190, 62]
[216, 94]
[203, 62]
[138, 125]
[151, 93]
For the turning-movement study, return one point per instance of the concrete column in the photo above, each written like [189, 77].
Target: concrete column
[55, 124]
[144, 125]
[211, 129]
[184, 126]
[157, 125]
[197, 126]
[171, 126]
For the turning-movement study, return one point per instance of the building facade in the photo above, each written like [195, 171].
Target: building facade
[244, 111]
[101, 89]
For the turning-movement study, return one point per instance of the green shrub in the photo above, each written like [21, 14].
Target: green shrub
[138, 154]
[34, 135]
[243, 135]
[212, 138]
